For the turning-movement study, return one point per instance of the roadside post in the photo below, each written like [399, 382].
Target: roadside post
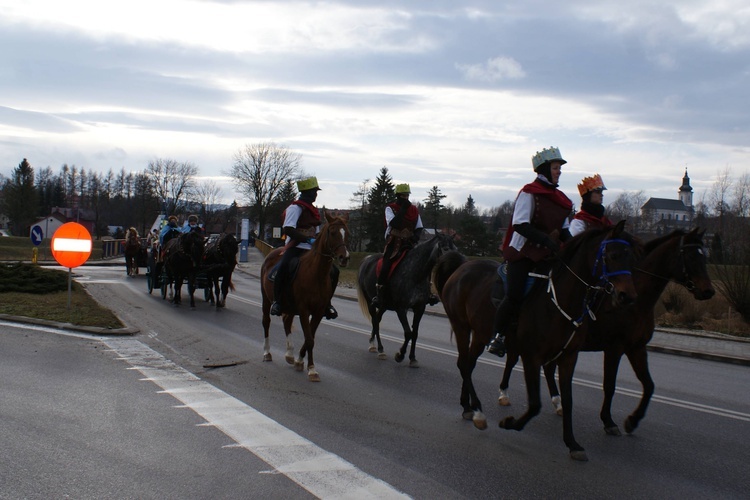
[244, 238]
[37, 235]
[71, 246]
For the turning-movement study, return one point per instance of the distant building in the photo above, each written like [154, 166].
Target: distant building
[664, 214]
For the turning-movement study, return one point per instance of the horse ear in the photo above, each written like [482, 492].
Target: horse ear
[619, 228]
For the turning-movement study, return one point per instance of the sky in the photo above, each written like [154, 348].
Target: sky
[458, 95]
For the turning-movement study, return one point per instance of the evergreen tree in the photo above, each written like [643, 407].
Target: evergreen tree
[382, 193]
[20, 199]
[433, 208]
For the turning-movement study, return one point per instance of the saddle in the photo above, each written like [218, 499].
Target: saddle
[498, 291]
[394, 263]
[293, 268]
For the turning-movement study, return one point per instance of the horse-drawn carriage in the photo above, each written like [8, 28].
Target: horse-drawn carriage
[206, 265]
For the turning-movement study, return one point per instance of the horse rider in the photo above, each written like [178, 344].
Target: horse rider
[301, 224]
[591, 215]
[169, 231]
[192, 225]
[403, 230]
[540, 218]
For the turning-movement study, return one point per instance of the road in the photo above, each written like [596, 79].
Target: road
[379, 426]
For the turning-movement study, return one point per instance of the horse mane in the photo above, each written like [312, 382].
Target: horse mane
[573, 245]
[656, 242]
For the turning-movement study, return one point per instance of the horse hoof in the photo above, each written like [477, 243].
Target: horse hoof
[579, 455]
[612, 431]
[299, 365]
[399, 357]
[382, 356]
[507, 423]
[503, 399]
[557, 403]
[479, 420]
[467, 415]
[630, 426]
[313, 376]
[372, 348]
[289, 359]
[267, 357]
[413, 363]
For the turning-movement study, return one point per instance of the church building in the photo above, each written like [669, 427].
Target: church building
[664, 214]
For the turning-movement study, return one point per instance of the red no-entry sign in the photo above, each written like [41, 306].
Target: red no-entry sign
[71, 245]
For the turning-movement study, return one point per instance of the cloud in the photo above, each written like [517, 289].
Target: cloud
[494, 70]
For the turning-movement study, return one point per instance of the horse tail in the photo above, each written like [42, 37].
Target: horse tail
[363, 303]
[445, 267]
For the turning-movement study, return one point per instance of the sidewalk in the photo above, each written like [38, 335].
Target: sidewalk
[693, 343]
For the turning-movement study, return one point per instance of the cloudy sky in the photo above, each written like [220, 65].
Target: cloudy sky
[454, 94]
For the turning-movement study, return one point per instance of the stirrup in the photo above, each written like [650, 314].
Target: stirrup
[497, 346]
[275, 309]
[331, 312]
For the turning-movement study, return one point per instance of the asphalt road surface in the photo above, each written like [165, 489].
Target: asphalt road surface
[187, 409]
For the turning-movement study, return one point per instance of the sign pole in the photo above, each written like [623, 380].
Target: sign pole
[70, 285]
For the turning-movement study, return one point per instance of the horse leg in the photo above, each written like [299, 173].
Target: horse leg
[611, 366]
[469, 399]
[639, 361]
[417, 317]
[510, 363]
[531, 376]
[191, 290]
[566, 366]
[401, 313]
[549, 376]
[375, 316]
[312, 373]
[266, 308]
[177, 299]
[287, 319]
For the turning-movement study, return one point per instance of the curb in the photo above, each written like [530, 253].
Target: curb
[93, 330]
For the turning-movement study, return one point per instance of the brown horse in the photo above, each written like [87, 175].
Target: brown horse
[309, 293]
[676, 257]
[132, 249]
[590, 264]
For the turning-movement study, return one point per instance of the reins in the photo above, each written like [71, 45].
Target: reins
[606, 286]
[687, 283]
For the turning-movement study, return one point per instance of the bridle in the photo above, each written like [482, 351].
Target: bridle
[332, 254]
[603, 284]
[687, 282]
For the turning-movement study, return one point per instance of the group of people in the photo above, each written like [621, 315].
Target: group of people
[540, 225]
[171, 229]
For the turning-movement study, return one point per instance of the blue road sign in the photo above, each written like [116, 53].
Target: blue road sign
[37, 235]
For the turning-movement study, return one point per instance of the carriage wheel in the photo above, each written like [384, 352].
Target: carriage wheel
[206, 294]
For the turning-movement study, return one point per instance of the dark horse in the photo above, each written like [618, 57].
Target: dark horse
[220, 259]
[594, 262]
[310, 292]
[676, 257]
[408, 288]
[182, 259]
[132, 249]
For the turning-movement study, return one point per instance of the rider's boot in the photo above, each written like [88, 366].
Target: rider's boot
[505, 317]
[277, 288]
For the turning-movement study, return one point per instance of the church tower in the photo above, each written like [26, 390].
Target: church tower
[686, 192]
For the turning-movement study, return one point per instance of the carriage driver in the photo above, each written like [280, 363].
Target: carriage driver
[301, 224]
[591, 215]
[169, 231]
[192, 225]
[540, 217]
[403, 230]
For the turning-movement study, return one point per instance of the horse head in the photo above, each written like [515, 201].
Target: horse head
[610, 253]
[693, 262]
[192, 244]
[333, 240]
[228, 247]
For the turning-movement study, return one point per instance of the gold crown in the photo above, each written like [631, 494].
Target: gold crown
[307, 184]
[591, 184]
[403, 188]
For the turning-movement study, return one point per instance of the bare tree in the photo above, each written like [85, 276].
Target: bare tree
[172, 181]
[719, 195]
[628, 206]
[742, 196]
[359, 200]
[260, 171]
[207, 193]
